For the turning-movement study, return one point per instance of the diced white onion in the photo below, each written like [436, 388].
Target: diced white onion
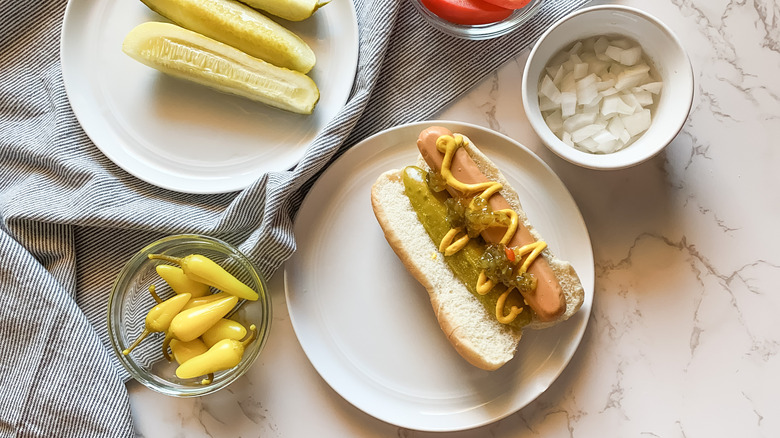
[623, 43]
[615, 104]
[545, 104]
[586, 131]
[644, 97]
[631, 56]
[631, 100]
[575, 48]
[567, 138]
[568, 83]
[555, 121]
[598, 95]
[632, 77]
[614, 53]
[637, 123]
[586, 89]
[577, 121]
[549, 90]
[653, 87]
[580, 70]
[609, 91]
[568, 103]
[603, 136]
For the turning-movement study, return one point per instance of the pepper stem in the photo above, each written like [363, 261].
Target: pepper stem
[252, 336]
[154, 294]
[167, 258]
[208, 379]
[144, 334]
[166, 343]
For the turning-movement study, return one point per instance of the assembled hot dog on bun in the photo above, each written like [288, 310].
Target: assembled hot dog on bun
[459, 228]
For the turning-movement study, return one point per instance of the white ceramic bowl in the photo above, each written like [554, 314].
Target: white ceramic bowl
[659, 44]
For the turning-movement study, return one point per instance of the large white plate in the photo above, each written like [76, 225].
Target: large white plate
[183, 136]
[367, 326]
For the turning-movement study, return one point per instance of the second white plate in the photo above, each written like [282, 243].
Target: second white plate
[183, 136]
[367, 326]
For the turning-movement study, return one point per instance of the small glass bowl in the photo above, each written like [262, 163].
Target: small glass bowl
[662, 47]
[479, 31]
[130, 301]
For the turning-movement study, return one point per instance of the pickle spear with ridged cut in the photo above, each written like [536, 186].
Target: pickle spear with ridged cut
[188, 55]
[293, 10]
[240, 26]
[432, 213]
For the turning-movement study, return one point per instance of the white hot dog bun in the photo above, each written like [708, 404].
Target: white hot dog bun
[473, 331]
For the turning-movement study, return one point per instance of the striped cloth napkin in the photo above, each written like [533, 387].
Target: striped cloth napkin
[69, 217]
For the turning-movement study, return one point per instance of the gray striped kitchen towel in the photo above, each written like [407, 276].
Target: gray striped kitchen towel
[69, 217]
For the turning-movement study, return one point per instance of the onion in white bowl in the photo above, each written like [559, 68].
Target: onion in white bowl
[598, 95]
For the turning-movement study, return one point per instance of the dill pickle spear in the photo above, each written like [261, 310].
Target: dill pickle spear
[293, 10]
[240, 26]
[432, 213]
[188, 55]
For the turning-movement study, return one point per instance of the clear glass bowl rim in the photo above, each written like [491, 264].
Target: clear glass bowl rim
[251, 354]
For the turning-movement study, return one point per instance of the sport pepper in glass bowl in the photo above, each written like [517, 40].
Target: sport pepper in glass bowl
[188, 315]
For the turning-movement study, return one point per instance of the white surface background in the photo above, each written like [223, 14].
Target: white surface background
[683, 340]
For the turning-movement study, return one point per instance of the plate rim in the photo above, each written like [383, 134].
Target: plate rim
[576, 338]
[175, 181]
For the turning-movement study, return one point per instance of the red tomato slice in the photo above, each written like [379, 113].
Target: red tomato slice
[509, 4]
[467, 11]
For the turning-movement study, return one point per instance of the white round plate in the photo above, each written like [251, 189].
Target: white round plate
[367, 326]
[183, 136]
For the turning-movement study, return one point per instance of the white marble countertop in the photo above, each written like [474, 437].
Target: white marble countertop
[682, 340]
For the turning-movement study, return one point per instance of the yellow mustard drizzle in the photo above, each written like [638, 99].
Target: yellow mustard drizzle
[449, 245]
[513, 312]
[484, 284]
[532, 250]
[447, 145]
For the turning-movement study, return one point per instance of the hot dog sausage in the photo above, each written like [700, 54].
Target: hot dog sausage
[547, 300]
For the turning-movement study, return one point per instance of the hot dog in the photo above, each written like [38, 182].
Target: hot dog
[547, 300]
[483, 318]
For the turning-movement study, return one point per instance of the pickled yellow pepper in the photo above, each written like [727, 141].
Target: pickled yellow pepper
[191, 323]
[184, 351]
[160, 317]
[204, 270]
[180, 283]
[223, 329]
[224, 355]
[199, 301]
